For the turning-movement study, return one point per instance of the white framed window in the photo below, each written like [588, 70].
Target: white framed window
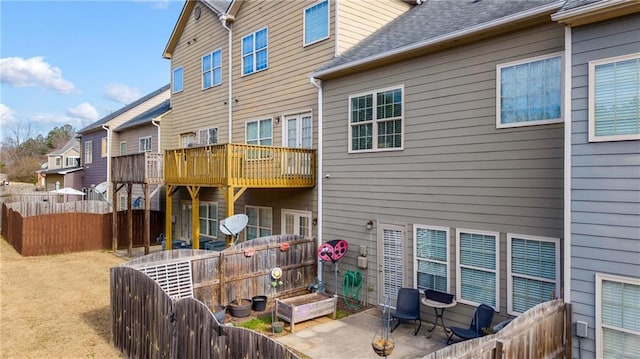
[260, 222]
[431, 257]
[259, 132]
[614, 98]
[58, 162]
[123, 148]
[144, 144]
[316, 23]
[533, 271]
[72, 161]
[296, 222]
[212, 69]
[177, 82]
[255, 52]
[478, 267]
[209, 219]
[376, 120]
[187, 139]
[617, 316]
[88, 151]
[298, 130]
[529, 92]
[208, 136]
[122, 202]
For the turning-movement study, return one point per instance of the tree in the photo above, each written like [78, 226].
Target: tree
[59, 136]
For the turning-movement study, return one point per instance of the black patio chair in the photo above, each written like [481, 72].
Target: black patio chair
[482, 319]
[407, 308]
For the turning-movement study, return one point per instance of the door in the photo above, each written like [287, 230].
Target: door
[298, 134]
[391, 244]
[296, 222]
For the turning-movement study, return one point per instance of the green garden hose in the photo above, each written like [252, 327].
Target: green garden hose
[351, 287]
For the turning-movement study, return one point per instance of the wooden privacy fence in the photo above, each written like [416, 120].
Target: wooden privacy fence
[542, 332]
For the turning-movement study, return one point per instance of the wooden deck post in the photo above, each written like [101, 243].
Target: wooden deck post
[129, 220]
[167, 219]
[228, 196]
[194, 191]
[147, 218]
[114, 224]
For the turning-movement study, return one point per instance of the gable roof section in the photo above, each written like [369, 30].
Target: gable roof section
[146, 117]
[73, 143]
[580, 12]
[98, 124]
[436, 24]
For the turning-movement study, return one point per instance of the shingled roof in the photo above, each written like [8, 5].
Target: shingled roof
[146, 117]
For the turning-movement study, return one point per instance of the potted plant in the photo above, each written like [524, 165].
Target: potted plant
[240, 307]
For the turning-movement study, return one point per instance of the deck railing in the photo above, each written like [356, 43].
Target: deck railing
[146, 167]
[241, 165]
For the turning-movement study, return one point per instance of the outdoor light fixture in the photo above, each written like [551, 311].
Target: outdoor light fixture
[370, 224]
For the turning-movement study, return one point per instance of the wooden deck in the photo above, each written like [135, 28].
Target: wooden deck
[146, 167]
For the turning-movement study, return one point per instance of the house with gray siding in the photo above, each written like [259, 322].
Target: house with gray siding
[61, 168]
[603, 176]
[442, 155]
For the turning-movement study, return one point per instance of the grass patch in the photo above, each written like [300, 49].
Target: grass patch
[341, 314]
[259, 324]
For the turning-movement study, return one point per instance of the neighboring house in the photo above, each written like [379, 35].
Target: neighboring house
[603, 176]
[140, 136]
[242, 135]
[61, 168]
[99, 142]
[443, 155]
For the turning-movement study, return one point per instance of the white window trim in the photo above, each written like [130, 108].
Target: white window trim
[374, 121]
[259, 138]
[295, 212]
[122, 202]
[126, 149]
[510, 237]
[599, 332]
[58, 161]
[299, 114]
[199, 140]
[459, 270]
[144, 138]
[524, 61]
[304, 23]
[592, 89]
[209, 204]
[212, 70]
[255, 70]
[88, 151]
[173, 73]
[76, 160]
[258, 226]
[415, 251]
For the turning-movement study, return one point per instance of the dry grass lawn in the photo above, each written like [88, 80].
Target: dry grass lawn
[55, 306]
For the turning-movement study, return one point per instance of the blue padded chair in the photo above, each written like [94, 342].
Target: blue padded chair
[407, 308]
[482, 318]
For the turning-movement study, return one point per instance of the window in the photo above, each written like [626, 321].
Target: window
[260, 222]
[176, 80]
[296, 222]
[88, 152]
[431, 257]
[58, 162]
[187, 139]
[375, 121]
[254, 52]
[533, 271]
[478, 265]
[316, 22]
[529, 92]
[212, 69]
[209, 219]
[259, 133]
[614, 98]
[72, 161]
[617, 316]
[298, 130]
[145, 144]
[208, 136]
[105, 150]
[122, 202]
[123, 148]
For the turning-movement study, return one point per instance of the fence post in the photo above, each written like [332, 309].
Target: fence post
[568, 333]
[497, 351]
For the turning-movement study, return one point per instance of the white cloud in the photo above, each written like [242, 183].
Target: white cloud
[122, 93]
[32, 72]
[84, 111]
[6, 115]
[52, 120]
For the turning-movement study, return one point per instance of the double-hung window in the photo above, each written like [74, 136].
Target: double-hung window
[208, 136]
[431, 257]
[255, 52]
[529, 92]
[316, 22]
[376, 120]
[187, 139]
[533, 271]
[72, 161]
[145, 144]
[88, 152]
[260, 222]
[259, 132]
[617, 316]
[212, 69]
[209, 219]
[58, 162]
[177, 80]
[478, 266]
[123, 148]
[614, 98]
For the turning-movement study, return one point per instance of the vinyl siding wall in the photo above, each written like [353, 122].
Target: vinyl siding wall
[51, 160]
[605, 194]
[456, 170]
[95, 172]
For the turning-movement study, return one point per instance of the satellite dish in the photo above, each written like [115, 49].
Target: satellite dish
[233, 225]
[102, 187]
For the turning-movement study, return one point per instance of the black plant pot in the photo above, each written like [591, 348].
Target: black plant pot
[240, 307]
[259, 303]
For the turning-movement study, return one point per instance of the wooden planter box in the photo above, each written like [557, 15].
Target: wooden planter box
[305, 307]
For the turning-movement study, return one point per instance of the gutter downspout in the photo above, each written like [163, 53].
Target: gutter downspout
[336, 47]
[223, 20]
[106, 128]
[318, 84]
[567, 163]
[155, 123]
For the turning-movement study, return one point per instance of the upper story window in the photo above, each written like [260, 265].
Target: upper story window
[316, 22]
[72, 161]
[254, 52]
[259, 133]
[529, 92]
[431, 257]
[177, 79]
[123, 148]
[208, 136]
[212, 69]
[145, 144]
[478, 267]
[187, 139]
[614, 98]
[88, 152]
[617, 316]
[376, 121]
[58, 161]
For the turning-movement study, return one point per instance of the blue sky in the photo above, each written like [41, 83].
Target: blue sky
[73, 62]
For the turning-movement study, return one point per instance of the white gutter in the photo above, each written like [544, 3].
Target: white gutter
[106, 128]
[567, 163]
[444, 38]
[336, 48]
[318, 84]
[155, 123]
[223, 19]
[595, 7]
